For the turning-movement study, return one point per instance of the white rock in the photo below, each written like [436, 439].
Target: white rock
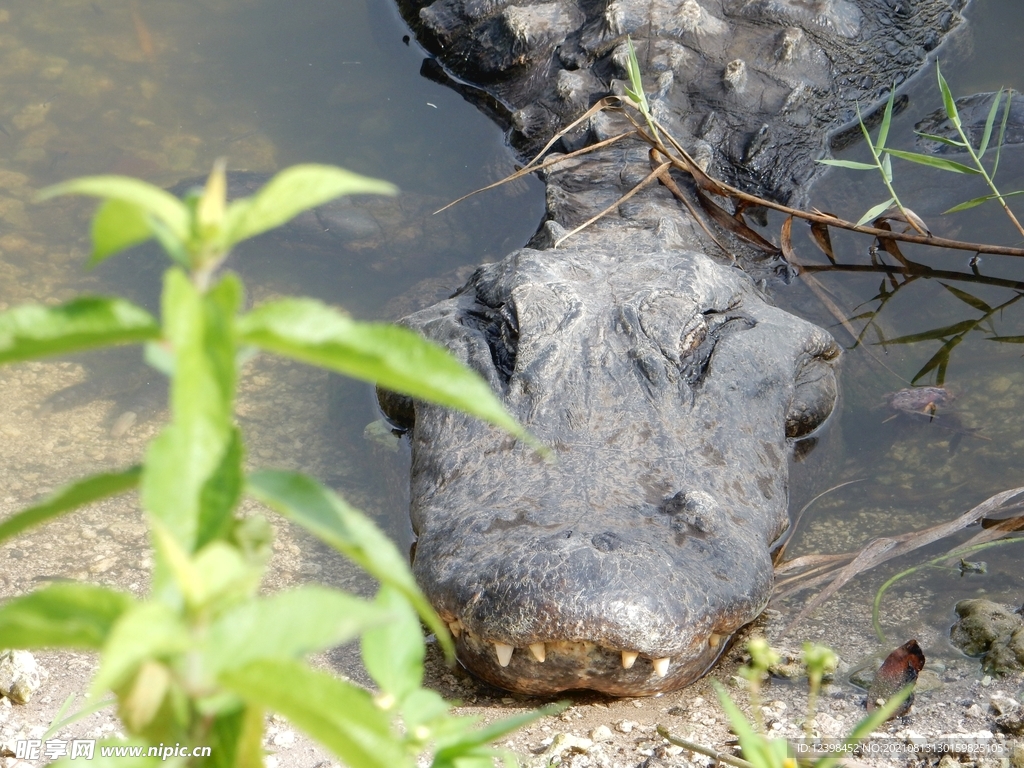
[20, 676]
[601, 733]
[625, 726]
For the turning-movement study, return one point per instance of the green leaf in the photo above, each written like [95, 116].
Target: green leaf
[62, 616]
[883, 131]
[117, 225]
[636, 89]
[156, 202]
[941, 139]
[292, 191]
[146, 631]
[934, 162]
[756, 748]
[339, 715]
[990, 122]
[321, 512]
[874, 211]
[1007, 339]
[34, 330]
[850, 164]
[947, 97]
[939, 333]
[393, 357]
[470, 743]
[1002, 135]
[979, 200]
[939, 360]
[221, 493]
[71, 497]
[966, 298]
[887, 168]
[290, 625]
[191, 451]
[867, 725]
[393, 653]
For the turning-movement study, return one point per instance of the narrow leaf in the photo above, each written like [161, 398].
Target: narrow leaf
[887, 167]
[290, 625]
[162, 205]
[324, 514]
[1002, 135]
[393, 357]
[883, 131]
[968, 299]
[934, 162]
[339, 715]
[33, 330]
[857, 166]
[990, 123]
[939, 360]
[941, 139]
[938, 333]
[71, 497]
[979, 200]
[947, 98]
[874, 211]
[62, 616]
[117, 225]
[291, 192]
[489, 733]
[1007, 339]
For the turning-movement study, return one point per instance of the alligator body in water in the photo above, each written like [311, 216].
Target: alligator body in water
[668, 387]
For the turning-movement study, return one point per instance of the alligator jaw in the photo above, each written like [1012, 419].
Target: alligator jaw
[570, 665]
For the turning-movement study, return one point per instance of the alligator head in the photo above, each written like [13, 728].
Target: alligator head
[667, 390]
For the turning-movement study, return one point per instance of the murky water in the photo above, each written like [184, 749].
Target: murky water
[915, 472]
[159, 90]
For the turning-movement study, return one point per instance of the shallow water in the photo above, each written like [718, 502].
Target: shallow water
[160, 90]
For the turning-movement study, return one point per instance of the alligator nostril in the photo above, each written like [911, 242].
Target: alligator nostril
[692, 509]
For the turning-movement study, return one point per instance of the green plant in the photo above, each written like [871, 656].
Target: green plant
[763, 752]
[202, 659]
[882, 157]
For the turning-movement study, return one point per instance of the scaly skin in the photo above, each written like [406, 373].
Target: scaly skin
[668, 388]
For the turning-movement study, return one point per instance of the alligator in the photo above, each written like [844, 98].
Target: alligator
[669, 389]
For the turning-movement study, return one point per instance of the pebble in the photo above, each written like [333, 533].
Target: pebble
[1001, 704]
[601, 733]
[20, 676]
[625, 726]
[283, 739]
[123, 423]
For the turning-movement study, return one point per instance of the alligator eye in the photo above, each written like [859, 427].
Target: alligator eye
[815, 388]
[500, 328]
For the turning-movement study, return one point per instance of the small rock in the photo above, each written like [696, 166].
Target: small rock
[986, 681]
[601, 733]
[625, 726]
[975, 711]
[283, 739]
[948, 761]
[20, 676]
[1011, 723]
[1001, 704]
[1017, 756]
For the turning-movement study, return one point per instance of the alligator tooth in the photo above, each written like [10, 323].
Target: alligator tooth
[629, 658]
[538, 651]
[455, 627]
[715, 640]
[504, 652]
[661, 666]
